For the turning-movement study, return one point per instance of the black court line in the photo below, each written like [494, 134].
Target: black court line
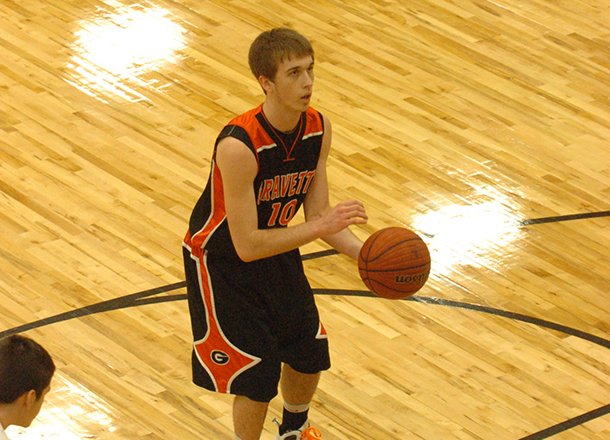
[314, 255]
[571, 423]
[104, 306]
[484, 309]
[516, 316]
[147, 297]
[563, 218]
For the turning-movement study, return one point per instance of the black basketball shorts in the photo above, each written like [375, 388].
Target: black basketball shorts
[248, 318]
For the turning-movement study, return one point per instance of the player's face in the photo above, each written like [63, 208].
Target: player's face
[293, 83]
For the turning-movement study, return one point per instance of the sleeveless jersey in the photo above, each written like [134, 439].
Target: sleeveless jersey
[286, 169]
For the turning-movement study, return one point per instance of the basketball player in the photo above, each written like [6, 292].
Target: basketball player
[26, 370]
[252, 310]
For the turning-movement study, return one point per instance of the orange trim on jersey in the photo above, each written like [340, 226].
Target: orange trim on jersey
[314, 121]
[259, 136]
[198, 240]
[321, 334]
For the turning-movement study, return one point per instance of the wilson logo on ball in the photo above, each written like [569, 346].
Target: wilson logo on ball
[419, 278]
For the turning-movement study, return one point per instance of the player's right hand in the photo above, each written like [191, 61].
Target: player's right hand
[342, 215]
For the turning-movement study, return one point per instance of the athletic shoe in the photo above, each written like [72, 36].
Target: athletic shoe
[305, 432]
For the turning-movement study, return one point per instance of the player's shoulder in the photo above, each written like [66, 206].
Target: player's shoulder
[315, 120]
[235, 152]
[247, 119]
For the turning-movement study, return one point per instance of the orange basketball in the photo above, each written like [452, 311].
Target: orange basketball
[394, 263]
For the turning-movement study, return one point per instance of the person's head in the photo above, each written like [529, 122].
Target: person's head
[26, 369]
[282, 61]
[272, 47]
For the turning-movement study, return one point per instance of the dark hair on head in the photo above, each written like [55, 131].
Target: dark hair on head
[24, 365]
[272, 47]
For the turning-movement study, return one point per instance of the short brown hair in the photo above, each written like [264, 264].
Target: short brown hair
[24, 365]
[272, 47]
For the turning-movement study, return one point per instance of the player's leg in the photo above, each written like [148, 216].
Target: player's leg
[248, 417]
[297, 390]
[302, 342]
[232, 354]
[305, 356]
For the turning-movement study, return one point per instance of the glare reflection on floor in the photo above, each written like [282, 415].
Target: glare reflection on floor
[477, 234]
[114, 50]
[70, 412]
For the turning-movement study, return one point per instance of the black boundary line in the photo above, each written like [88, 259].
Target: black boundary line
[143, 298]
[320, 254]
[570, 423]
[112, 304]
[563, 218]
[516, 316]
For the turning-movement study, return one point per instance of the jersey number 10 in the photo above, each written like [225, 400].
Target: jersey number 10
[281, 215]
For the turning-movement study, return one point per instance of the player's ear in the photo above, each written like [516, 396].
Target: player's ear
[30, 397]
[265, 83]
[27, 399]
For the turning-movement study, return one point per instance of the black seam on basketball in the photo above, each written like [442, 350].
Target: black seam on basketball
[368, 251]
[365, 259]
[392, 288]
[399, 268]
[386, 250]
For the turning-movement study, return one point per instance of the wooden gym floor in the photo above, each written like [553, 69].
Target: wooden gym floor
[484, 125]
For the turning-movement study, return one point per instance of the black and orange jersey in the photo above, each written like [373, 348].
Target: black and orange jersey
[286, 168]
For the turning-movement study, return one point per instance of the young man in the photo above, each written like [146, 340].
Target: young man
[26, 370]
[253, 314]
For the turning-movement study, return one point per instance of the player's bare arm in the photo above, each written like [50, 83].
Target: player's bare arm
[238, 168]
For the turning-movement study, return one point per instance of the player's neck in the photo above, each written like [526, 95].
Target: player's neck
[281, 118]
[5, 418]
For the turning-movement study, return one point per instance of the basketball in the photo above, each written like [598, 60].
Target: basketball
[394, 263]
